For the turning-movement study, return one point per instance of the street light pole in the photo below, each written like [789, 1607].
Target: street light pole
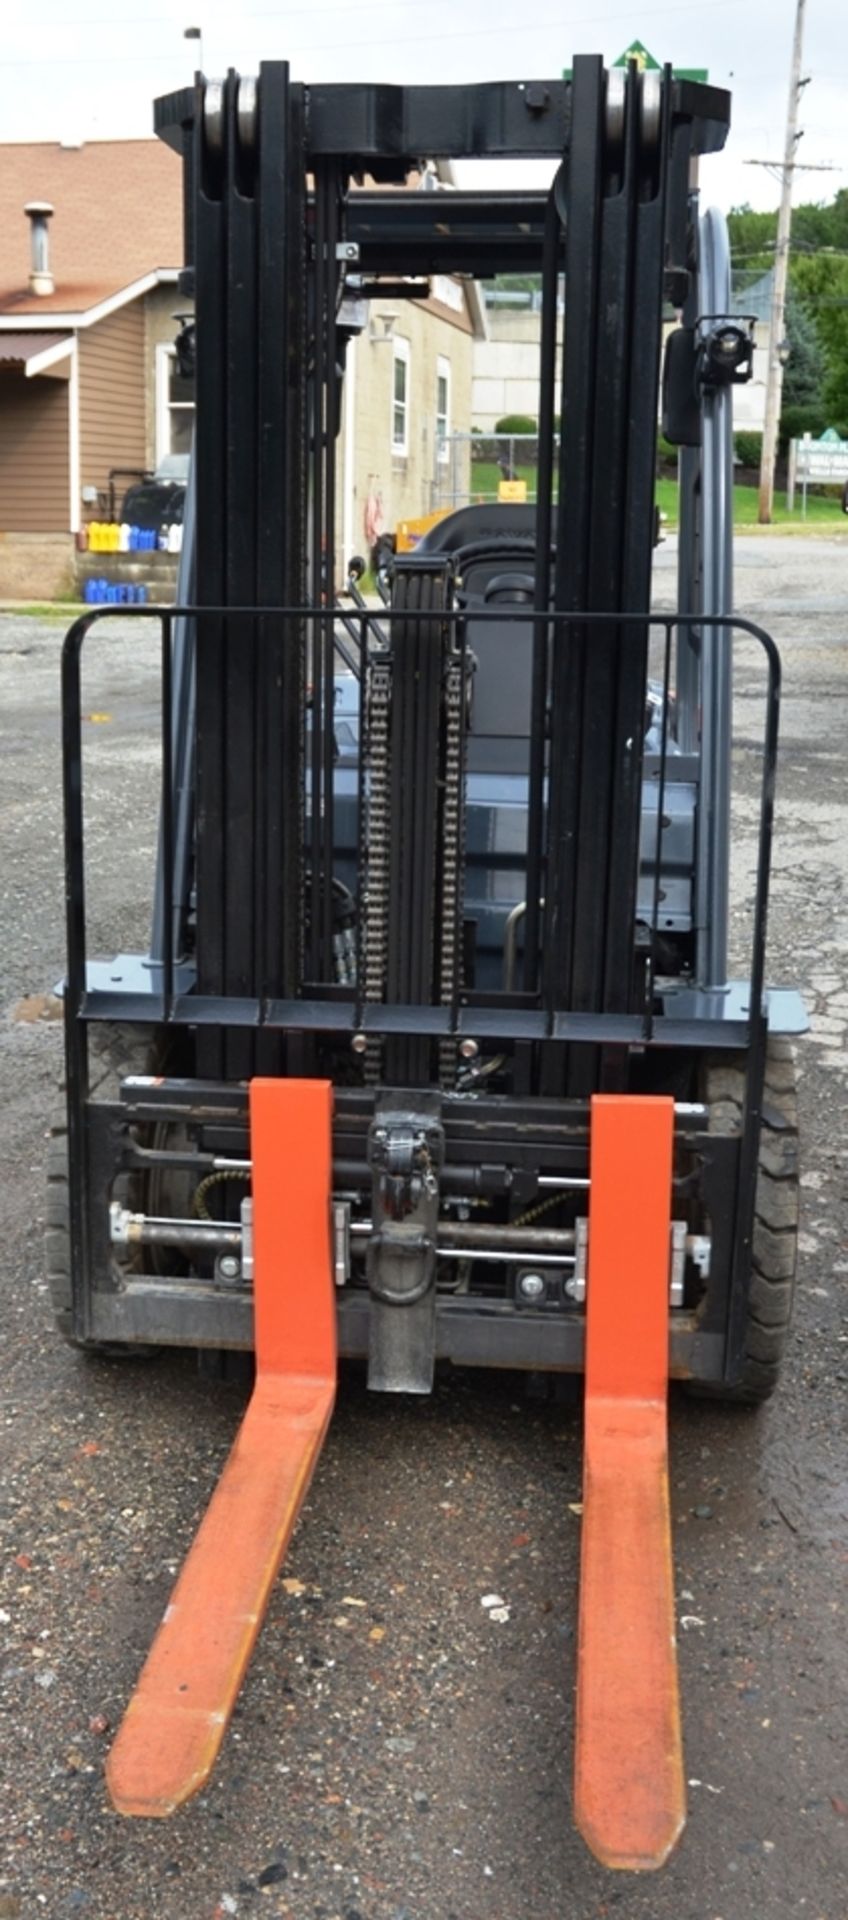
[774, 376]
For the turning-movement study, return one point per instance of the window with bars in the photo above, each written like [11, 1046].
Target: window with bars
[443, 374]
[400, 397]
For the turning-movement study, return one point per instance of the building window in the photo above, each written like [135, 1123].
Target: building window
[174, 405]
[448, 292]
[400, 397]
[443, 374]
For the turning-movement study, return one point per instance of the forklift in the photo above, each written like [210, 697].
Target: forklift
[435, 1055]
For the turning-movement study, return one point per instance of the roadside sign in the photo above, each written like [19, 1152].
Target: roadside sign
[816, 463]
[823, 462]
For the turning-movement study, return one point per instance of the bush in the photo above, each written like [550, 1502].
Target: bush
[517, 423]
[748, 447]
[666, 452]
[796, 421]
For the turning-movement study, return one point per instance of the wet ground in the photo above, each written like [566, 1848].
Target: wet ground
[397, 1752]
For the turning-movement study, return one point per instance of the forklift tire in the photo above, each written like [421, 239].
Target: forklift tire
[111, 1064]
[775, 1237]
[57, 1257]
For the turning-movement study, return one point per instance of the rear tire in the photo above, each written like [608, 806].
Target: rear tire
[774, 1249]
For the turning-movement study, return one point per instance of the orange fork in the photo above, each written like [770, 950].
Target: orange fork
[177, 1717]
[629, 1795]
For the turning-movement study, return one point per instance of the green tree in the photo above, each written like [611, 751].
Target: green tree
[820, 282]
[804, 376]
[752, 238]
[816, 226]
[753, 235]
[815, 387]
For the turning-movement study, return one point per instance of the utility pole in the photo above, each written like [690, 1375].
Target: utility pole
[774, 376]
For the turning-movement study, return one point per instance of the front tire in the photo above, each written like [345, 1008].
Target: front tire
[113, 1058]
[774, 1246]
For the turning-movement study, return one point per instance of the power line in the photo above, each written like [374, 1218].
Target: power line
[98, 60]
[778, 167]
[382, 6]
[808, 253]
[252, 13]
[524, 28]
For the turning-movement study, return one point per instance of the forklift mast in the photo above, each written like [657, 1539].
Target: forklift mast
[275, 225]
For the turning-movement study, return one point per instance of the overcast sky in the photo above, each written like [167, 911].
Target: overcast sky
[90, 69]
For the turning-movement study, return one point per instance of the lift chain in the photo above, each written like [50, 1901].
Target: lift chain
[452, 855]
[374, 851]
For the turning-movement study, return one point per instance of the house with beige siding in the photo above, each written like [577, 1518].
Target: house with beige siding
[88, 290]
[90, 392]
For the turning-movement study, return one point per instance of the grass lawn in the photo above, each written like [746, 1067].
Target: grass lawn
[822, 512]
[66, 610]
[486, 477]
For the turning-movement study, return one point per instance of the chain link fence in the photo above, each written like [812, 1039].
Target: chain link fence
[471, 468]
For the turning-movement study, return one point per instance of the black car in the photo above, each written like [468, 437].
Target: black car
[158, 501]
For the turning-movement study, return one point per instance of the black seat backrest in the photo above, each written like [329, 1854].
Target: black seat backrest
[495, 546]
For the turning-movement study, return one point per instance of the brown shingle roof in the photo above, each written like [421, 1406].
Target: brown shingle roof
[118, 216]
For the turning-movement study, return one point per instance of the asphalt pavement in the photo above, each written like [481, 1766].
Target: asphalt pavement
[400, 1751]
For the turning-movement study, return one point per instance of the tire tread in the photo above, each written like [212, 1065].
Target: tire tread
[776, 1213]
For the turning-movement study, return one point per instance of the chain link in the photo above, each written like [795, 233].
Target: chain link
[374, 853]
[374, 850]
[453, 857]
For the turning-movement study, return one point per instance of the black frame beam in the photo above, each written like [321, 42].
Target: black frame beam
[402, 125]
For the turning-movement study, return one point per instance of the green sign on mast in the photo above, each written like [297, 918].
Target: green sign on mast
[646, 63]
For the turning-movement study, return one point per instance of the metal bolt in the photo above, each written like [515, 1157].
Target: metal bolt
[358, 1043]
[531, 1286]
[229, 1266]
[469, 1049]
[536, 98]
